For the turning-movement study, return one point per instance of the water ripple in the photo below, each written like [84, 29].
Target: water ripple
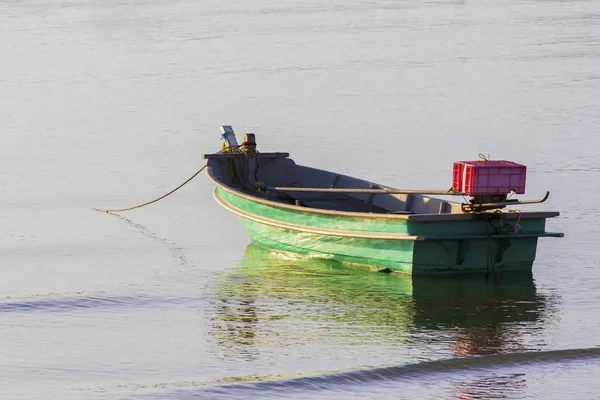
[97, 302]
[346, 380]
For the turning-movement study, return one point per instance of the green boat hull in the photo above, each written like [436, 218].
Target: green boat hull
[406, 246]
[409, 257]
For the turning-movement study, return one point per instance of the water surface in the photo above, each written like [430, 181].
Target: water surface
[111, 105]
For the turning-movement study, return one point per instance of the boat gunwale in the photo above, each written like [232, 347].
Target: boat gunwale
[366, 235]
[406, 217]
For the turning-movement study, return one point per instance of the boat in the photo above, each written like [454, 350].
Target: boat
[298, 209]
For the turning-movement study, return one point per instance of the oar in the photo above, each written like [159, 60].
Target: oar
[367, 191]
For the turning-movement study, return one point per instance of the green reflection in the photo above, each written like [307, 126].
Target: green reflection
[278, 300]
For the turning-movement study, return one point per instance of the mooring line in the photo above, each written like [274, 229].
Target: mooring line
[176, 251]
[153, 201]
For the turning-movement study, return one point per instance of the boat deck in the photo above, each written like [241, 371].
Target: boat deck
[275, 169]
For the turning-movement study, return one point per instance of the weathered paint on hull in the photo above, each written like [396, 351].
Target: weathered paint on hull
[466, 249]
[409, 257]
[378, 253]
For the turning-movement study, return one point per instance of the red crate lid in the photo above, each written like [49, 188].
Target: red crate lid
[492, 164]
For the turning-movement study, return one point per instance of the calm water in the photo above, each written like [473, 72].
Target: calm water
[110, 104]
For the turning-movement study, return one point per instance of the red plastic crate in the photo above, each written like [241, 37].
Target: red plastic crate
[488, 177]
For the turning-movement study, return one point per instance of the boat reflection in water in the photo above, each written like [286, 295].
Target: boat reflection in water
[273, 301]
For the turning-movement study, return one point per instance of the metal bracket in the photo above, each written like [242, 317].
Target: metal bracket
[478, 207]
[503, 245]
[463, 248]
[229, 141]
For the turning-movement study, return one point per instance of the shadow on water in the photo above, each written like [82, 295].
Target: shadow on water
[472, 315]
[483, 321]
[487, 316]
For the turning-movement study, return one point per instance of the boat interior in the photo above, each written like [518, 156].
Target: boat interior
[252, 174]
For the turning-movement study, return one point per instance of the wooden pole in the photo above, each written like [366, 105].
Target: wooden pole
[367, 191]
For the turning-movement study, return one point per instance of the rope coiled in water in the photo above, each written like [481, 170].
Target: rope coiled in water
[153, 201]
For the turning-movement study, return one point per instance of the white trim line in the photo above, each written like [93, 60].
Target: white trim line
[366, 235]
[307, 229]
